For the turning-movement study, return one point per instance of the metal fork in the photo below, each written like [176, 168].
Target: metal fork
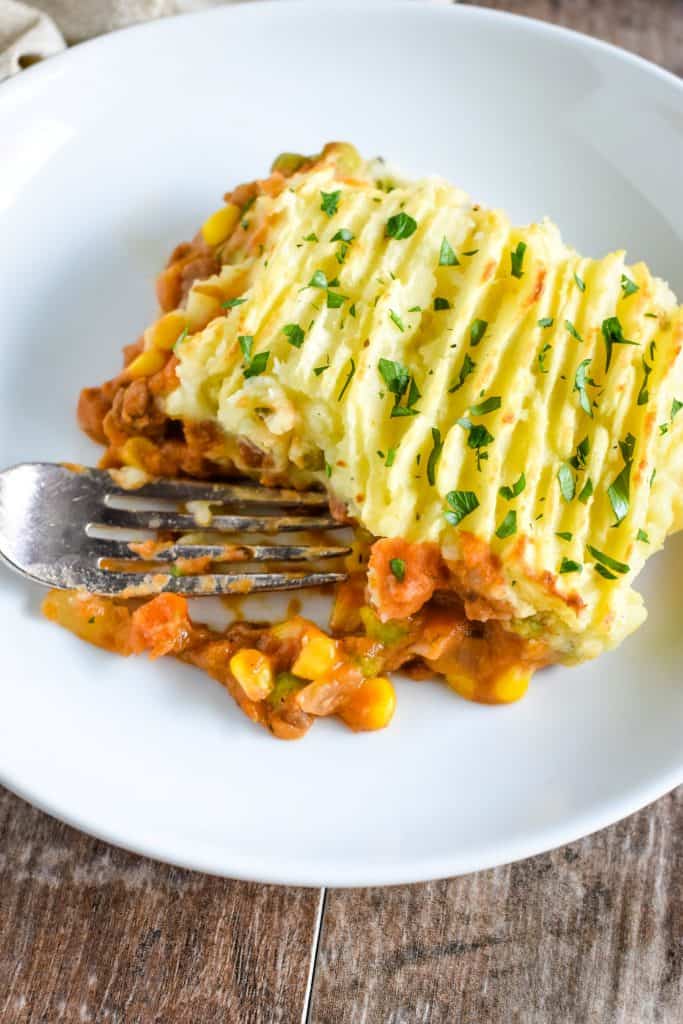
[50, 516]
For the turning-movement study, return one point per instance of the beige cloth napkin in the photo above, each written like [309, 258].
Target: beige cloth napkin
[29, 32]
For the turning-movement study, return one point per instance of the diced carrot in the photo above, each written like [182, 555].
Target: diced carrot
[161, 626]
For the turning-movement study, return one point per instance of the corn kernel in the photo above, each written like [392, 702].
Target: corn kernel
[371, 707]
[511, 684]
[220, 224]
[253, 670]
[318, 654]
[147, 363]
[463, 684]
[136, 451]
[165, 332]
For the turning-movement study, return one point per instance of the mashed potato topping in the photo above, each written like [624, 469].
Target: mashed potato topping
[453, 380]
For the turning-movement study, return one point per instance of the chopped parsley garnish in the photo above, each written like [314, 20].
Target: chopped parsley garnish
[246, 343]
[478, 438]
[608, 562]
[328, 469]
[563, 534]
[644, 394]
[586, 491]
[542, 357]
[466, 369]
[652, 316]
[231, 303]
[347, 381]
[517, 260]
[311, 238]
[566, 480]
[508, 525]
[580, 283]
[434, 455]
[335, 300]
[343, 235]
[397, 320]
[546, 321]
[572, 330]
[317, 370]
[391, 455]
[676, 407]
[352, 310]
[581, 379]
[181, 338]
[330, 202]
[472, 252]
[401, 225]
[618, 492]
[447, 257]
[513, 492]
[319, 280]
[460, 503]
[568, 565]
[583, 448]
[257, 365]
[441, 303]
[628, 286]
[613, 334]
[91, 620]
[641, 535]
[477, 331]
[398, 568]
[400, 383]
[294, 335]
[488, 405]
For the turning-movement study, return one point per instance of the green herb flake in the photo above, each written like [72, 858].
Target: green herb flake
[466, 369]
[508, 525]
[441, 303]
[317, 370]
[583, 448]
[391, 455]
[608, 562]
[566, 480]
[652, 316]
[542, 355]
[563, 534]
[477, 331]
[580, 283]
[352, 310]
[330, 202]
[175, 570]
[335, 300]
[580, 382]
[395, 318]
[319, 280]
[294, 335]
[328, 470]
[488, 405]
[644, 394]
[398, 568]
[447, 257]
[401, 225]
[461, 504]
[231, 303]
[568, 565]
[311, 238]
[628, 286]
[347, 381]
[399, 382]
[91, 620]
[246, 343]
[513, 492]
[604, 572]
[257, 365]
[343, 235]
[472, 252]
[618, 491]
[613, 334]
[586, 491]
[517, 260]
[641, 535]
[434, 455]
[676, 407]
[478, 439]
[572, 330]
[546, 321]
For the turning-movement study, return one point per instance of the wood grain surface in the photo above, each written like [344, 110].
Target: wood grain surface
[589, 934]
[89, 933]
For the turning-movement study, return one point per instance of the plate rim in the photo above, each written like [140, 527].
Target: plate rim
[347, 873]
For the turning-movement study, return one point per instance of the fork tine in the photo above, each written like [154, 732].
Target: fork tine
[130, 585]
[143, 519]
[219, 493]
[120, 549]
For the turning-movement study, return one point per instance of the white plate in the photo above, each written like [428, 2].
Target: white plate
[115, 151]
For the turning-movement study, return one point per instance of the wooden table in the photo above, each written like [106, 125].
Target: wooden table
[589, 934]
